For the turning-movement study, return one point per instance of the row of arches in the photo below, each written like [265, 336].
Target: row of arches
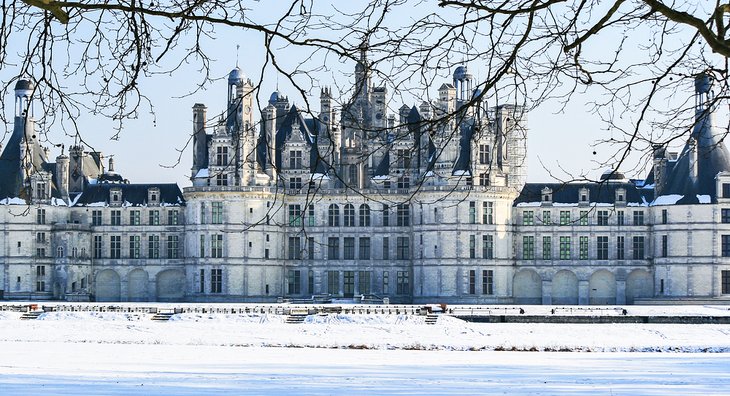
[527, 287]
[169, 286]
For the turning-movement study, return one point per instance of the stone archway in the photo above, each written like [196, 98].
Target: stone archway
[639, 284]
[602, 288]
[527, 287]
[565, 288]
[170, 285]
[137, 283]
[108, 286]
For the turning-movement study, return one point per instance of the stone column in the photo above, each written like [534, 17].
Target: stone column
[620, 292]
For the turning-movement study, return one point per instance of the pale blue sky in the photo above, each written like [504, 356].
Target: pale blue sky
[560, 141]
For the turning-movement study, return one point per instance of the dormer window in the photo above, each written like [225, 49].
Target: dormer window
[620, 196]
[584, 196]
[547, 195]
[115, 196]
[153, 196]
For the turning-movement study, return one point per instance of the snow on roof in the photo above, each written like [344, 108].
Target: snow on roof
[528, 204]
[203, 173]
[670, 199]
[704, 199]
[13, 201]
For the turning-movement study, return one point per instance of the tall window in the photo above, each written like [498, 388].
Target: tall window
[665, 247]
[403, 159]
[725, 280]
[602, 248]
[484, 179]
[472, 212]
[638, 217]
[349, 216]
[528, 247]
[528, 217]
[115, 246]
[221, 156]
[349, 248]
[386, 248]
[202, 246]
[664, 216]
[364, 215]
[333, 248]
[583, 246]
[484, 154]
[620, 248]
[295, 215]
[386, 282]
[472, 282]
[487, 282]
[295, 248]
[173, 217]
[98, 249]
[547, 248]
[40, 216]
[488, 212]
[403, 248]
[546, 217]
[725, 218]
[216, 212]
[153, 246]
[386, 215]
[295, 159]
[565, 248]
[333, 282]
[294, 282]
[295, 183]
[363, 282]
[116, 217]
[726, 246]
[348, 284]
[488, 246]
[310, 250]
[638, 245]
[134, 217]
[173, 250]
[216, 280]
[472, 246]
[221, 179]
[564, 217]
[216, 245]
[96, 217]
[311, 220]
[154, 217]
[620, 218]
[364, 252]
[583, 217]
[602, 217]
[402, 283]
[404, 215]
[333, 215]
[134, 246]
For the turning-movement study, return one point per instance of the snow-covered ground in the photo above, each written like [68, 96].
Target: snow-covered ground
[115, 353]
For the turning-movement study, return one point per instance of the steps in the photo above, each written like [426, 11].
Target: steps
[31, 315]
[296, 319]
[431, 319]
[162, 316]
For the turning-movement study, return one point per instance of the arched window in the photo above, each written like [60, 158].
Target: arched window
[364, 215]
[59, 252]
[349, 215]
[333, 216]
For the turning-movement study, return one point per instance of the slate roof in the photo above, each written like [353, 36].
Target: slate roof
[308, 127]
[712, 157]
[134, 194]
[11, 176]
[569, 193]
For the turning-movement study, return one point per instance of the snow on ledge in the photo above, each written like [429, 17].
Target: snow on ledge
[670, 199]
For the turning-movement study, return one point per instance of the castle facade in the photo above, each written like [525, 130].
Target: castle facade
[427, 205]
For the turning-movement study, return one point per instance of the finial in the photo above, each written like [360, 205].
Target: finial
[238, 47]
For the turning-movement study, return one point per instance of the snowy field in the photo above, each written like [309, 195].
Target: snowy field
[119, 354]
